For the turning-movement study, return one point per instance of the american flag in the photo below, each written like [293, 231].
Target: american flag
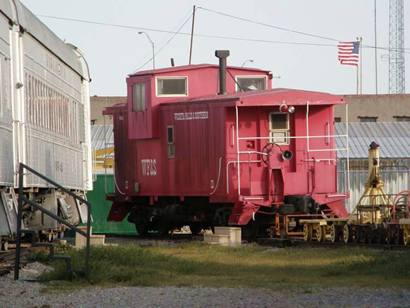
[348, 53]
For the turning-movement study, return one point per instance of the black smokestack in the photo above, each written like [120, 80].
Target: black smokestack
[222, 55]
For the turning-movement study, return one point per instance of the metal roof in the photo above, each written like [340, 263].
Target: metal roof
[393, 138]
[19, 14]
[192, 67]
[102, 136]
[271, 97]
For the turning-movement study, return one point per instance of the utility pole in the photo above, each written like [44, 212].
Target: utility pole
[192, 34]
[152, 46]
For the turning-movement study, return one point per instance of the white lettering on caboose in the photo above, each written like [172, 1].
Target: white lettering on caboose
[186, 116]
[149, 167]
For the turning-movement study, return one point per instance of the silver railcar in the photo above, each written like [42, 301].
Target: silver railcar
[44, 116]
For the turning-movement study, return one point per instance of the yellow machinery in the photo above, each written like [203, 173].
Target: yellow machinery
[103, 159]
[374, 205]
[402, 213]
[379, 218]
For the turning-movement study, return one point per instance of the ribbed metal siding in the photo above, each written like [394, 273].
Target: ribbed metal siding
[6, 120]
[395, 180]
[54, 150]
[393, 138]
[102, 136]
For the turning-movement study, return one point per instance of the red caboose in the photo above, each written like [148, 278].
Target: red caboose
[194, 149]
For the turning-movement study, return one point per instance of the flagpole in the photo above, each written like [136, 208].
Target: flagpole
[358, 68]
[359, 74]
[361, 65]
[349, 53]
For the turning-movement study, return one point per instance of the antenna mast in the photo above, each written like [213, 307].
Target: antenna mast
[396, 47]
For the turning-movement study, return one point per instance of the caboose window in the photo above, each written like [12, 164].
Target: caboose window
[250, 83]
[172, 86]
[138, 97]
[170, 141]
[279, 127]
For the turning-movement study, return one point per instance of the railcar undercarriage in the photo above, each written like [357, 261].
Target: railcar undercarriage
[277, 220]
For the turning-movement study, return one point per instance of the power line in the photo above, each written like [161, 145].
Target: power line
[176, 28]
[268, 25]
[224, 37]
[179, 33]
[106, 24]
[284, 29]
[167, 42]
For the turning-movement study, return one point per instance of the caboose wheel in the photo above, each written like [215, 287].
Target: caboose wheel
[333, 233]
[361, 235]
[195, 228]
[369, 235]
[347, 234]
[51, 236]
[406, 236]
[320, 233]
[5, 246]
[394, 236]
[307, 232]
[141, 228]
[389, 237]
[381, 236]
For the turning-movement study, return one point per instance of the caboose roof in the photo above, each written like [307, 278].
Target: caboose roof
[269, 98]
[193, 67]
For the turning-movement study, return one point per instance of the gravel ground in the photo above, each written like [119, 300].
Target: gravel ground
[24, 293]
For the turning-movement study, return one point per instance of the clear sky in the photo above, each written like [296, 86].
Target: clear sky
[114, 52]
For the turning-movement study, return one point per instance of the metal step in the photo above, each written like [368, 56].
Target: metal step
[53, 256]
[68, 263]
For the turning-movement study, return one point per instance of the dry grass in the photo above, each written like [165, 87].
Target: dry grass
[197, 264]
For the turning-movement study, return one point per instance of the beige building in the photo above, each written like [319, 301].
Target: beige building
[362, 108]
[375, 108]
[99, 103]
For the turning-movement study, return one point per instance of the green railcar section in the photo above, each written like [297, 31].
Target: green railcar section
[103, 184]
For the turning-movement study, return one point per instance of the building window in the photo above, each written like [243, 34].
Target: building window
[402, 118]
[250, 83]
[138, 97]
[170, 141]
[172, 86]
[367, 119]
[279, 127]
[338, 119]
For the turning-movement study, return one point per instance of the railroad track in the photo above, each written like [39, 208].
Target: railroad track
[7, 258]
[155, 239]
[152, 239]
[302, 243]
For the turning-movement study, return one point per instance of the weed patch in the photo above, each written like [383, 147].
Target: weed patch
[198, 264]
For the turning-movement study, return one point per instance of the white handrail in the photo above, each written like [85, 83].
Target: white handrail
[291, 137]
[307, 137]
[237, 150]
